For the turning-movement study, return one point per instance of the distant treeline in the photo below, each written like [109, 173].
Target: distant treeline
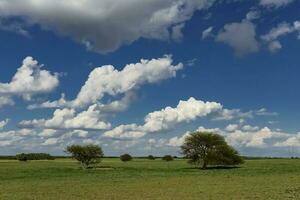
[263, 158]
[44, 156]
[34, 156]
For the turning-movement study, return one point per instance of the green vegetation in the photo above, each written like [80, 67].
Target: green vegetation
[167, 158]
[150, 157]
[87, 155]
[209, 149]
[126, 157]
[34, 156]
[148, 179]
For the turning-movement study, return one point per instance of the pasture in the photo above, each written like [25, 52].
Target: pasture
[63, 179]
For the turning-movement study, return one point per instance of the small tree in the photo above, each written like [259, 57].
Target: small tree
[211, 149]
[126, 157]
[87, 155]
[167, 158]
[150, 157]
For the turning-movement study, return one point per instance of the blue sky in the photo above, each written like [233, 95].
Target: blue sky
[230, 67]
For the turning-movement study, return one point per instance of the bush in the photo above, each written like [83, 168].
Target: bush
[150, 157]
[167, 158]
[34, 156]
[87, 155]
[126, 157]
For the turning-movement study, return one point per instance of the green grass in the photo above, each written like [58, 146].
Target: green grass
[142, 179]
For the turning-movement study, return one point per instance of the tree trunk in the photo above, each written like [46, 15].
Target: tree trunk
[204, 166]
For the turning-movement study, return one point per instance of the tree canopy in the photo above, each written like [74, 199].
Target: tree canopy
[210, 149]
[86, 154]
[125, 157]
[167, 158]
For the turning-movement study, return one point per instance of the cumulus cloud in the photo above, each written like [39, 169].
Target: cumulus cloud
[14, 137]
[293, 141]
[69, 119]
[166, 118]
[105, 25]
[275, 3]
[99, 82]
[253, 137]
[241, 36]
[231, 127]
[30, 79]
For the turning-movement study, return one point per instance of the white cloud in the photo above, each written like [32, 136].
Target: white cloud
[293, 141]
[265, 112]
[14, 137]
[47, 133]
[3, 123]
[211, 130]
[275, 3]
[178, 141]
[30, 79]
[126, 131]
[240, 36]
[207, 32]
[105, 25]
[250, 128]
[252, 15]
[229, 114]
[177, 34]
[166, 118]
[51, 141]
[6, 100]
[282, 29]
[274, 46]
[185, 111]
[231, 127]
[69, 119]
[253, 138]
[99, 82]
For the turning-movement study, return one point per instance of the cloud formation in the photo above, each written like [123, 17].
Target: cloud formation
[166, 119]
[69, 119]
[105, 25]
[29, 80]
[130, 78]
[3, 123]
[275, 3]
[244, 42]
[282, 29]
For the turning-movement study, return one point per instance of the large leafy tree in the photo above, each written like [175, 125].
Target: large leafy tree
[87, 155]
[209, 149]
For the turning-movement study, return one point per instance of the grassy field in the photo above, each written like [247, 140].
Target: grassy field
[141, 179]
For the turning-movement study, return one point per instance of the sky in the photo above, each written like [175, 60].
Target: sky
[139, 76]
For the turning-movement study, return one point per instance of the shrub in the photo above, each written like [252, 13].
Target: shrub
[150, 157]
[125, 157]
[87, 155]
[167, 158]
